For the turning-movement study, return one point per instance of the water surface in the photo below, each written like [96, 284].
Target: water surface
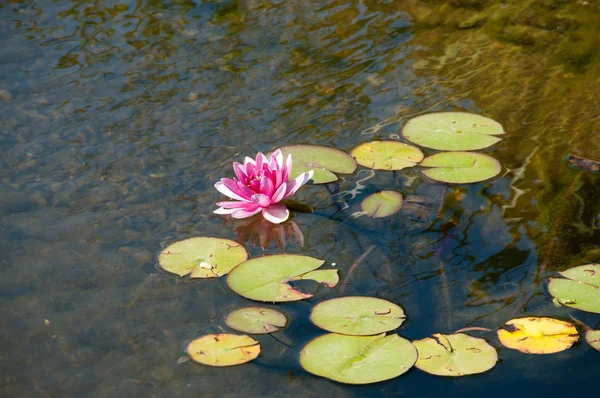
[119, 116]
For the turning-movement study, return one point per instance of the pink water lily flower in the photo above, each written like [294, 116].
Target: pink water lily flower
[260, 185]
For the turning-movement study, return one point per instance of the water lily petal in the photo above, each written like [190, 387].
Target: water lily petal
[237, 188]
[266, 185]
[260, 184]
[260, 161]
[248, 160]
[276, 213]
[240, 172]
[237, 205]
[294, 185]
[221, 210]
[277, 168]
[261, 200]
[245, 213]
[287, 169]
[276, 159]
[251, 170]
[224, 185]
[279, 193]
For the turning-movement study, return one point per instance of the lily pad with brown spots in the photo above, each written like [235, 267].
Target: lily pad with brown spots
[538, 335]
[357, 315]
[455, 355]
[223, 349]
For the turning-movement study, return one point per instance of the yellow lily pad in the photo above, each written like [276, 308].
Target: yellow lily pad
[538, 335]
[223, 349]
[387, 155]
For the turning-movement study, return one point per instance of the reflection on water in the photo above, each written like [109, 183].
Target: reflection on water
[119, 116]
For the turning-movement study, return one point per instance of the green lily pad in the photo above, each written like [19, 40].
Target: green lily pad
[382, 204]
[202, 257]
[593, 338]
[359, 316]
[461, 167]
[358, 359]
[455, 355]
[581, 290]
[256, 320]
[324, 161]
[223, 349]
[387, 155]
[589, 273]
[453, 131]
[266, 278]
[330, 277]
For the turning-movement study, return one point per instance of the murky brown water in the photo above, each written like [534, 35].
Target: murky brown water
[118, 117]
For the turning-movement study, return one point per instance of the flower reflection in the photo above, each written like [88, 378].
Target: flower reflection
[262, 232]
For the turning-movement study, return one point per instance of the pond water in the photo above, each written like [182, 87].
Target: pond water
[119, 116]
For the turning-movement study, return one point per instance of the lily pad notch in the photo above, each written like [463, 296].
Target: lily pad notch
[267, 278]
[579, 289]
[455, 355]
[324, 161]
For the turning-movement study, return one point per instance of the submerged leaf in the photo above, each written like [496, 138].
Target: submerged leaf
[266, 278]
[382, 204]
[583, 163]
[182, 359]
[357, 315]
[203, 257]
[453, 131]
[223, 349]
[256, 320]
[455, 355]
[461, 167]
[581, 290]
[324, 161]
[535, 335]
[387, 155]
[358, 359]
